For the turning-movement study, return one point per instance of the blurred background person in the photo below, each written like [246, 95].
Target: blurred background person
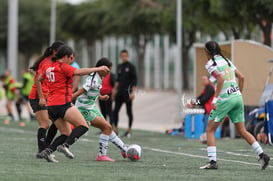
[28, 80]
[205, 98]
[108, 83]
[11, 90]
[76, 79]
[123, 91]
[2, 94]
[75, 84]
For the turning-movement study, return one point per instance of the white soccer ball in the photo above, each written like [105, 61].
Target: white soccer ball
[134, 152]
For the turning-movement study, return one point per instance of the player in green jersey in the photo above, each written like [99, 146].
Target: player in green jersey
[227, 101]
[86, 103]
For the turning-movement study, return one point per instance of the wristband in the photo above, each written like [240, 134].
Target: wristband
[214, 100]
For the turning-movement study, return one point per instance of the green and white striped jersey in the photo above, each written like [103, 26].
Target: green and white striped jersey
[230, 87]
[92, 85]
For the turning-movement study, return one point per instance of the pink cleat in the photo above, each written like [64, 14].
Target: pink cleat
[123, 154]
[104, 158]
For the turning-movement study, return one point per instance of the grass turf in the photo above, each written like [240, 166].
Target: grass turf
[173, 159]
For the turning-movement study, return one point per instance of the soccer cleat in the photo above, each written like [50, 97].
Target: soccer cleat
[124, 152]
[47, 154]
[38, 155]
[104, 158]
[264, 158]
[63, 149]
[127, 135]
[51, 158]
[211, 165]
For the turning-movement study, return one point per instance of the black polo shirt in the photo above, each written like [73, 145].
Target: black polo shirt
[126, 77]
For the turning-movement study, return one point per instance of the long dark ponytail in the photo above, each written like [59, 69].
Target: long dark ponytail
[213, 48]
[49, 51]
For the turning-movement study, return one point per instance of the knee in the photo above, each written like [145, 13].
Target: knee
[44, 125]
[66, 133]
[210, 128]
[129, 112]
[107, 128]
[242, 131]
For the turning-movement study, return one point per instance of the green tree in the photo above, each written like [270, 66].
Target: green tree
[34, 25]
[3, 25]
[93, 20]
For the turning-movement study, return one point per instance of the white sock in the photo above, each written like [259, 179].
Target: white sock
[212, 153]
[117, 141]
[103, 142]
[257, 148]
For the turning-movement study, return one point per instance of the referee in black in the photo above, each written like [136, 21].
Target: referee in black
[123, 91]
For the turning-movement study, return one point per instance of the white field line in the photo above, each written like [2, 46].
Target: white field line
[149, 148]
[199, 156]
[231, 153]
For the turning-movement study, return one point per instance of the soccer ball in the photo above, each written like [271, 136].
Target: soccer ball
[203, 138]
[134, 152]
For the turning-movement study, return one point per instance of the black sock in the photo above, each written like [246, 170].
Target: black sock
[51, 133]
[75, 135]
[58, 141]
[19, 110]
[11, 115]
[41, 136]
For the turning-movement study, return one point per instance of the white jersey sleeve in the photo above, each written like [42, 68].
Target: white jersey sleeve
[210, 67]
[87, 83]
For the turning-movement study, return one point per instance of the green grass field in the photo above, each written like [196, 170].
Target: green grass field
[162, 159]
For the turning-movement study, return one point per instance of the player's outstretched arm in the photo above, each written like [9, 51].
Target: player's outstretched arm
[241, 79]
[78, 93]
[87, 71]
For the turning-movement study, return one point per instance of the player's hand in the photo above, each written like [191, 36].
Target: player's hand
[104, 97]
[103, 68]
[132, 96]
[189, 105]
[213, 106]
[42, 102]
[73, 97]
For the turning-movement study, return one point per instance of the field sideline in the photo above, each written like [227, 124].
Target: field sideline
[164, 158]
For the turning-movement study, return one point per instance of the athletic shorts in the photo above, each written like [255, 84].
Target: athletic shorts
[34, 103]
[25, 98]
[233, 108]
[90, 115]
[56, 112]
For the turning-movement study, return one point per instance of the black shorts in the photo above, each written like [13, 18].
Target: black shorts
[25, 98]
[56, 112]
[34, 103]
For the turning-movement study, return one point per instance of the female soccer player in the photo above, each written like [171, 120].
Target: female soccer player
[86, 100]
[59, 75]
[227, 101]
[41, 111]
